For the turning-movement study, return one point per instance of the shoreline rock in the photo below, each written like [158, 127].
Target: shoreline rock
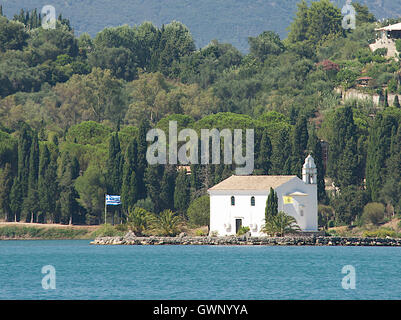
[249, 241]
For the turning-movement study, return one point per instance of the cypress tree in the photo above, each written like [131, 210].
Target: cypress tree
[394, 160]
[114, 166]
[144, 127]
[114, 171]
[167, 187]
[129, 189]
[379, 145]
[24, 147]
[381, 97]
[299, 145]
[271, 209]
[47, 185]
[182, 192]
[44, 162]
[396, 102]
[153, 176]
[16, 199]
[27, 18]
[374, 160]
[51, 180]
[195, 181]
[218, 172]
[227, 172]
[391, 191]
[386, 98]
[6, 182]
[315, 147]
[265, 152]
[343, 165]
[348, 174]
[31, 203]
[281, 156]
[69, 207]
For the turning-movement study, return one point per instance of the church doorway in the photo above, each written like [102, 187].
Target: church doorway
[238, 225]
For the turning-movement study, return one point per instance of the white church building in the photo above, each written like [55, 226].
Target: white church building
[241, 201]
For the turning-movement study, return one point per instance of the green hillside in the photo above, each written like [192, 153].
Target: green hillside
[75, 112]
[231, 21]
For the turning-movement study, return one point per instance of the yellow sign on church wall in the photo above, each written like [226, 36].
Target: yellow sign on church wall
[287, 199]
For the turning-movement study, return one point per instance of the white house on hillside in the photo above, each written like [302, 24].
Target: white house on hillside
[241, 200]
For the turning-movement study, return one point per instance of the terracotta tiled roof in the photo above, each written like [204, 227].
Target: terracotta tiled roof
[252, 182]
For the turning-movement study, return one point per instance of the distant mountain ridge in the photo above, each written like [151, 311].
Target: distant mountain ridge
[230, 21]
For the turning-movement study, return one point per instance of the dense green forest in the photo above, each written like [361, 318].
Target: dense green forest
[229, 21]
[74, 113]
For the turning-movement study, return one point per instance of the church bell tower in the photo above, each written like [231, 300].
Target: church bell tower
[309, 171]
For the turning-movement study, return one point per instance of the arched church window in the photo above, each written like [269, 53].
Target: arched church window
[252, 201]
[233, 201]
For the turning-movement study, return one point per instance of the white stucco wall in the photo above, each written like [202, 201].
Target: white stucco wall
[223, 215]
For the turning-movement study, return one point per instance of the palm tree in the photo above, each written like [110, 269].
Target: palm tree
[167, 223]
[138, 220]
[280, 225]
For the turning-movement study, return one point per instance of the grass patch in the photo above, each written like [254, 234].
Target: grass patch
[27, 232]
[381, 233]
[107, 230]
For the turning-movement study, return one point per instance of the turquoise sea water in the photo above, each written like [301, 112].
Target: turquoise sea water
[85, 271]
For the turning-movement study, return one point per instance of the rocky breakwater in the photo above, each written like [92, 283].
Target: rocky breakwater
[131, 239]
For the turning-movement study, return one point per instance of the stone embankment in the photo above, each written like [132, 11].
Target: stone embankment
[131, 239]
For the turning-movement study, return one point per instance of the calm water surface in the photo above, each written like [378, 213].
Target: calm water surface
[85, 271]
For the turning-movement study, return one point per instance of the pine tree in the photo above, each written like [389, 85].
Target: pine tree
[271, 209]
[129, 189]
[182, 192]
[299, 26]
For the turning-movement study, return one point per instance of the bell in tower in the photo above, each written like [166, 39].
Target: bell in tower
[309, 171]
